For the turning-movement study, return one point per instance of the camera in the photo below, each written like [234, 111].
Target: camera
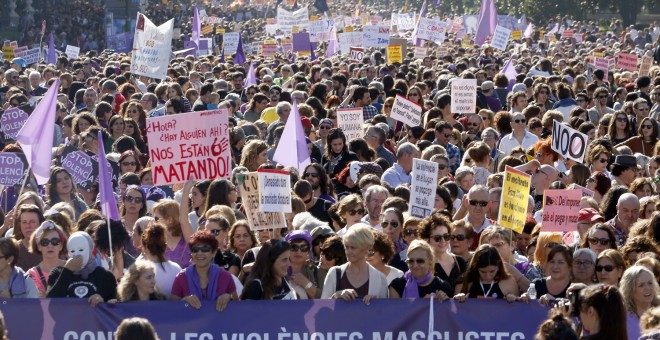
[575, 301]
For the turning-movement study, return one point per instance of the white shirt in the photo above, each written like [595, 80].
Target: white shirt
[509, 142]
[165, 274]
[395, 175]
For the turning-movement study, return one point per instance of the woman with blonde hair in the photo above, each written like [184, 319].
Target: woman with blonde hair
[351, 210]
[419, 280]
[254, 154]
[139, 283]
[544, 243]
[166, 212]
[640, 293]
[610, 266]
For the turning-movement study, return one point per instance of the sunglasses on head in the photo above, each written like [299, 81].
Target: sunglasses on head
[608, 268]
[55, 241]
[480, 203]
[601, 241]
[203, 249]
[437, 238]
[386, 224]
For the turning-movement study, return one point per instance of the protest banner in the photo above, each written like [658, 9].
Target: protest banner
[375, 36]
[627, 61]
[72, 52]
[13, 168]
[18, 52]
[31, 56]
[406, 111]
[268, 50]
[189, 144]
[422, 189]
[348, 40]
[645, 66]
[151, 48]
[567, 34]
[80, 166]
[394, 54]
[230, 42]
[605, 64]
[11, 121]
[351, 121]
[568, 142]
[319, 319]
[431, 29]
[248, 184]
[403, 21]
[357, 53]
[514, 200]
[420, 52]
[274, 191]
[516, 34]
[560, 210]
[321, 30]
[500, 38]
[301, 42]
[464, 96]
[211, 20]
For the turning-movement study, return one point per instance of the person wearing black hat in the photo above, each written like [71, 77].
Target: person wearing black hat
[624, 170]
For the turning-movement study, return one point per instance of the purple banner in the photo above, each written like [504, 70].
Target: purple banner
[301, 42]
[12, 168]
[79, 165]
[120, 42]
[12, 121]
[271, 320]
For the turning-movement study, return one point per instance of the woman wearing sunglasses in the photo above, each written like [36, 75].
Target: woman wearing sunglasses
[302, 273]
[610, 267]
[487, 278]
[218, 226]
[381, 255]
[391, 220]
[599, 237]
[419, 281]
[619, 128]
[203, 280]
[48, 241]
[436, 230]
[351, 210]
[134, 206]
[647, 137]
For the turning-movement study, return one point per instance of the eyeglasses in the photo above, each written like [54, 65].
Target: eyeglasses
[442, 166]
[55, 241]
[135, 199]
[437, 238]
[411, 261]
[602, 241]
[603, 160]
[583, 263]
[356, 211]
[647, 127]
[473, 124]
[458, 237]
[215, 232]
[520, 121]
[128, 163]
[608, 268]
[621, 119]
[386, 224]
[203, 249]
[299, 248]
[327, 257]
[603, 97]
[311, 174]
[552, 244]
[325, 127]
[480, 203]
[410, 232]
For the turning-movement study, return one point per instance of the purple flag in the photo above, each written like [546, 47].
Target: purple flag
[487, 21]
[422, 14]
[312, 56]
[331, 49]
[293, 134]
[52, 57]
[510, 72]
[108, 199]
[222, 55]
[196, 29]
[529, 30]
[250, 79]
[36, 136]
[239, 59]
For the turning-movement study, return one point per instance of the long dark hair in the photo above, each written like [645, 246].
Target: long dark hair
[486, 255]
[53, 196]
[608, 303]
[153, 239]
[332, 135]
[263, 267]
[218, 193]
[324, 180]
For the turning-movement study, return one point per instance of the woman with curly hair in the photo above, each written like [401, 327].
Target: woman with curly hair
[254, 154]
[132, 129]
[337, 156]
[436, 230]
[139, 283]
[135, 111]
[61, 188]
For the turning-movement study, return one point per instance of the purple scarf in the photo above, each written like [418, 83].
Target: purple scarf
[411, 291]
[194, 284]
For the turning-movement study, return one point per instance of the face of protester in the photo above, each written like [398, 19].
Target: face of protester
[197, 198]
[51, 245]
[282, 264]
[63, 184]
[644, 291]
[133, 202]
[627, 212]
[337, 145]
[146, 283]
[147, 179]
[391, 225]
[419, 263]
[202, 254]
[118, 127]
[583, 268]
[503, 248]
[217, 231]
[129, 129]
[242, 239]
[558, 267]
[611, 277]
[83, 125]
[596, 240]
[356, 253]
[354, 215]
[518, 122]
[437, 240]
[129, 164]
[460, 243]
[171, 93]
[487, 274]
[29, 222]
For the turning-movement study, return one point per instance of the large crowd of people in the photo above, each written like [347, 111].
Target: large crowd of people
[350, 235]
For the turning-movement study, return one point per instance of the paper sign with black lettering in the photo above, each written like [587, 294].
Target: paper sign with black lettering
[274, 191]
[568, 142]
[375, 36]
[189, 144]
[151, 47]
[500, 37]
[13, 168]
[351, 121]
[72, 51]
[422, 189]
[464, 96]
[645, 66]
[11, 121]
[627, 61]
[248, 185]
[561, 209]
[513, 202]
[406, 111]
[585, 192]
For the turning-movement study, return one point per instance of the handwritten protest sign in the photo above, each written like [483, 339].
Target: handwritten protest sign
[394, 54]
[248, 184]
[151, 48]
[561, 209]
[403, 21]
[11, 121]
[8, 52]
[568, 142]
[431, 29]
[31, 56]
[274, 191]
[604, 64]
[286, 19]
[406, 111]
[420, 52]
[322, 30]
[422, 189]
[13, 168]
[351, 121]
[514, 200]
[500, 37]
[645, 66]
[464, 96]
[189, 144]
[72, 52]
[348, 40]
[627, 61]
[80, 166]
[375, 36]
[230, 42]
[516, 34]
[357, 53]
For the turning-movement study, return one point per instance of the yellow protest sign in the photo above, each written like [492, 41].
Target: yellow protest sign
[314, 18]
[517, 34]
[295, 29]
[348, 29]
[598, 54]
[219, 30]
[8, 52]
[207, 29]
[394, 54]
[513, 203]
